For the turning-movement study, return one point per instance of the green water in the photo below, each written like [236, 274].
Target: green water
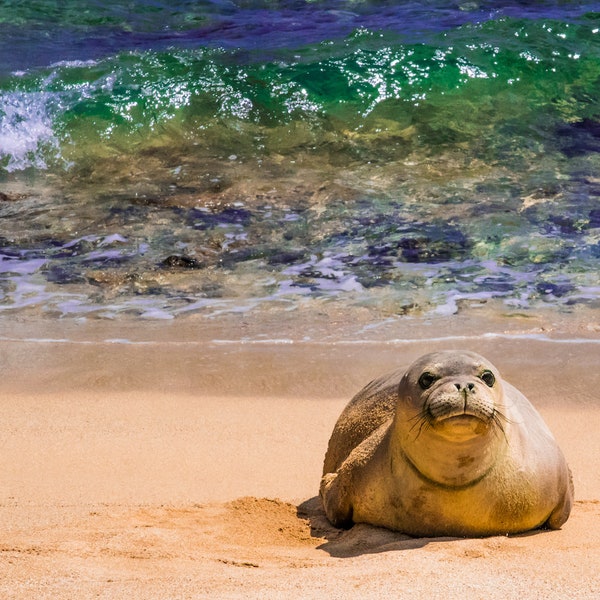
[491, 89]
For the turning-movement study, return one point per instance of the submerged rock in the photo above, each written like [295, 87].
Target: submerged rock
[176, 261]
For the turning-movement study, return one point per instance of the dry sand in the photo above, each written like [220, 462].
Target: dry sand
[179, 468]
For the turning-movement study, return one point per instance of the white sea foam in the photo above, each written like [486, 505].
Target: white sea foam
[26, 129]
[533, 337]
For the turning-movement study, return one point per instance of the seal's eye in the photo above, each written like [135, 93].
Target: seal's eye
[488, 378]
[426, 380]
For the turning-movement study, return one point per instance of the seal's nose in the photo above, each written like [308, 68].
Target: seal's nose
[468, 386]
[463, 390]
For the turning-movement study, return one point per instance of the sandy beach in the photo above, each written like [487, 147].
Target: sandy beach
[174, 462]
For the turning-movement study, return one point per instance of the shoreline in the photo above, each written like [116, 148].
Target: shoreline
[313, 356]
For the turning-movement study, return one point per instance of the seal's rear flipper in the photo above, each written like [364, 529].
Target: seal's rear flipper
[561, 513]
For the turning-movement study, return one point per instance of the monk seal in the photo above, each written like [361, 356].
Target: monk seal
[445, 449]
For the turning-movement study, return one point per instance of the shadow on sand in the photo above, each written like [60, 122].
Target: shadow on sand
[359, 539]
[365, 539]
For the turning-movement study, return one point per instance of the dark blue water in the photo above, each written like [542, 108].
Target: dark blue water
[37, 34]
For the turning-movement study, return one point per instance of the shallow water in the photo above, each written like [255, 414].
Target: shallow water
[202, 158]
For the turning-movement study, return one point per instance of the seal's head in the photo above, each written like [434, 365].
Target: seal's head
[449, 416]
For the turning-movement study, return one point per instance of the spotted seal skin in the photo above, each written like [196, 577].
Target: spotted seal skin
[446, 449]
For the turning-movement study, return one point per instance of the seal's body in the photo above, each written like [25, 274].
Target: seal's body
[446, 449]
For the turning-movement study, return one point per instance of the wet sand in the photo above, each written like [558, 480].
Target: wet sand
[185, 462]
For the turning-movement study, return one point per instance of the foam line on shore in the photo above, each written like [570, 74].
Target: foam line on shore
[534, 337]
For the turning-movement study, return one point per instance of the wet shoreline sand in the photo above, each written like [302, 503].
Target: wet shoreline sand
[183, 460]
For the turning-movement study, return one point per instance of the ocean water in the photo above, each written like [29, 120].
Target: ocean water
[162, 158]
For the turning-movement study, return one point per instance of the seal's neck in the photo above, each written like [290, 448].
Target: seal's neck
[450, 461]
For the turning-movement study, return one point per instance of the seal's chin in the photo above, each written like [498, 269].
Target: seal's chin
[462, 425]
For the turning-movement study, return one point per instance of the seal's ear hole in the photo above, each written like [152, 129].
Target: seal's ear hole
[426, 380]
[488, 378]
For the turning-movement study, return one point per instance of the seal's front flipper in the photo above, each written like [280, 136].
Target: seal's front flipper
[335, 500]
[338, 489]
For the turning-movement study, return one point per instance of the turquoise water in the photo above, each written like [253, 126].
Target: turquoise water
[194, 157]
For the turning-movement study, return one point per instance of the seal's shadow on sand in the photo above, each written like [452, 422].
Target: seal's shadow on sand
[360, 539]
[366, 539]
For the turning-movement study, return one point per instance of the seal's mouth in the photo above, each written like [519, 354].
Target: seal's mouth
[461, 425]
[458, 416]
[444, 411]
[464, 416]
[455, 422]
